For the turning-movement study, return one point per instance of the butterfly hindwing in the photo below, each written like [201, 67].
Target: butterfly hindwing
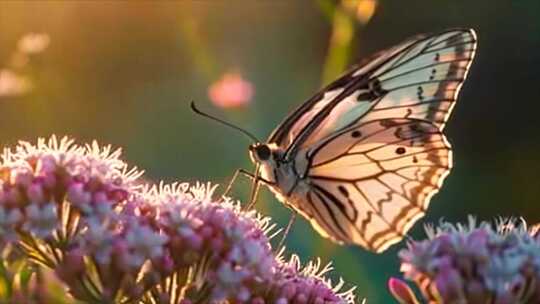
[374, 180]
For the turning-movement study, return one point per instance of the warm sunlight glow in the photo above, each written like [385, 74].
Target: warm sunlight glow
[365, 10]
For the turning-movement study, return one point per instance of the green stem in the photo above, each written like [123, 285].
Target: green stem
[341, 40]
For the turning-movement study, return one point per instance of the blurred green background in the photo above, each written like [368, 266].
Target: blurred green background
[124, 73]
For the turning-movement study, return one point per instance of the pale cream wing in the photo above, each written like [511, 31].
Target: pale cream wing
[373, 181]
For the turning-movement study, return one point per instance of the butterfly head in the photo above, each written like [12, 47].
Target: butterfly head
[260, 153]
[268, 156]
[265, 153]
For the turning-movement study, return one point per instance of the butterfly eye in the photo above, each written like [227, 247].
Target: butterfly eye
[263, 152]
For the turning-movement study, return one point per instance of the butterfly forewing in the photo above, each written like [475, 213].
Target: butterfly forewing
[418, 79]
[289, 129]
[426, 86]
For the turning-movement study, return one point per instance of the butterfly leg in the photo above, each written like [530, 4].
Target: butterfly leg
[287, 229]
[231, 182]
[254, 194]
[235, 176]
[255, 190]
[257, 181]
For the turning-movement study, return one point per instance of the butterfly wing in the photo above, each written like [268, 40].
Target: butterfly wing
[419, 78]
[372, 181]
[371, 146]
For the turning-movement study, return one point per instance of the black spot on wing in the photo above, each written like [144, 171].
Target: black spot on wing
[343, 190]
[356, 134]
[420, 93]
[391, 122]
[371, 91]
[433, 72]
[419, 131]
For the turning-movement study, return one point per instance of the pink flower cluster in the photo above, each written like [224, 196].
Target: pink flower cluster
[473, 264]
[80, 211]
[296, 284]
[202, 231]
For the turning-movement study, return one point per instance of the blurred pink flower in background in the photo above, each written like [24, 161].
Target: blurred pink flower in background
[33, 43]
[27, 46]
[231, 91]
[12, 84]
[13, 81]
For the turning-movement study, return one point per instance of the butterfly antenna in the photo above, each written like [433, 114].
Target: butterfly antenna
[197, 111]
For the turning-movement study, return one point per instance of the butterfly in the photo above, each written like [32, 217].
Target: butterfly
[362, 158]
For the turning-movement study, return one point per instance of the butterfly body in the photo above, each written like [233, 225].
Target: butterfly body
[362, 159]
[286, 180]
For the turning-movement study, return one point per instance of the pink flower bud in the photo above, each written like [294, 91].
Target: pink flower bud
[282, 301]
[35, 193]
[23, 179]
[207, 232]
[194, 242]
[401, 291]
[72, 267]
[13, 196]
[49, 181]
[301, 298]
[217, 244]
[258, 300]
[288, 291]
[77, 195]
[118, 195]
[100, 197]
